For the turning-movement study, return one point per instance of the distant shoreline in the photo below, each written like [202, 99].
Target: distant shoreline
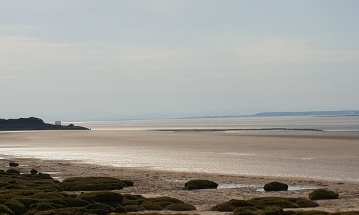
[237, 129]
[340, 113]
[34, 124]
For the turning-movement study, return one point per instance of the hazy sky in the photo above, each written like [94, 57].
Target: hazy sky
[112, 59]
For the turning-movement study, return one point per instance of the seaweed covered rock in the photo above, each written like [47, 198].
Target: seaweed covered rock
[134, 203]
[99, 208]
[120, 209]
[159, 203]
[281, 202]
[256, 211]
[152, 206]
[323, 194]
[109, 198]
[43, 206]
[134, 208]
[41, 195]
[64, 211]
[315, 212]
[132, 199]
[264, 202]
[275, 186]
[231, 205]
[200, 184]
[13, 171]
[12, 180]
[5, 210]
[94, 184]
[246, 211]
[16, 206]
[180, 207]
[347, 213]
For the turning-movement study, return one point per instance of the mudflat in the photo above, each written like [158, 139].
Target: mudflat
[320, 155]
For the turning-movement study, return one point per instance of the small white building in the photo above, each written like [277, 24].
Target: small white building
[58, 123]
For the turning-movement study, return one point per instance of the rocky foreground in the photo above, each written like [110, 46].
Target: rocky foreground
[36, 193]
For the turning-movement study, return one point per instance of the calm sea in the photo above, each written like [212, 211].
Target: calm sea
[340, 124]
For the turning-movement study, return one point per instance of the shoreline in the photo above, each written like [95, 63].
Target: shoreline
[150, 182]
[326, 156]
[4, 157]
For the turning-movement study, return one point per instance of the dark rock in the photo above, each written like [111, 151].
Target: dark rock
[322, 194]
[16, 206]
[120, 209]
[110, 198]
[134, 208]
[265, 202]
[231, 205]
[132, 199]
[128, 183]
[272, 211]
[200, 184]
[13, 164]
[160, 203]
[5, 210]
[311, 213]
[152, 206]
[256, 211]
[33, 171]
[44, 176]
[305, 203]
[64, 211]
[246, 211]
[99, 208]
[164, 201]
[44, 206]
[93, 184]
[275, 186]
[281, 202]
[180, 207]
[13, 172]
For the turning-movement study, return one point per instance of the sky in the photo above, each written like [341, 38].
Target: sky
[115, 59]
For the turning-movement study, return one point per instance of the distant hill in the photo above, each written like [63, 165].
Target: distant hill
[33, 123]
[310, 113]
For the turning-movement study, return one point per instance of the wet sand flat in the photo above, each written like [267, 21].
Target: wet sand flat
[312, 155]
[161, 162]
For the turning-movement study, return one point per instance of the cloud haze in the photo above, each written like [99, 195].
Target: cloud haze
[117, 59]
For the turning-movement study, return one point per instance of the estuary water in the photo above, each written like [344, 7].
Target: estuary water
[331, 154]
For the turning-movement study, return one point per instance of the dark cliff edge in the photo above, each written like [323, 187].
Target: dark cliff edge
[33, 123]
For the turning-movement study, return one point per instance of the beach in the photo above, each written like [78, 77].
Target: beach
[320, 155]
[161, 162]
[153, 183]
